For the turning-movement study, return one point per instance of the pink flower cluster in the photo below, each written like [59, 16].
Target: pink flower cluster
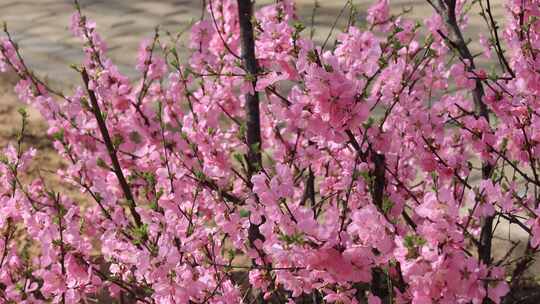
[373, 160]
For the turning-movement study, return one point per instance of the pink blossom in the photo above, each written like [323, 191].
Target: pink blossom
[376, 155]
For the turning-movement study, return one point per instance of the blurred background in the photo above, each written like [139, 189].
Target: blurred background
[41, 26]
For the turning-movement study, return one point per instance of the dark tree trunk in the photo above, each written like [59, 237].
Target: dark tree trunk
[253, 127]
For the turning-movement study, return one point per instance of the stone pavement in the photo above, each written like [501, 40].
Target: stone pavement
[41, 26]
[41, 29]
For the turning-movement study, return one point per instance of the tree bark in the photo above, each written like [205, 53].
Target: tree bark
[252, 111]
[253, 125]
[111, 151]
[459, 43]
[447, 10]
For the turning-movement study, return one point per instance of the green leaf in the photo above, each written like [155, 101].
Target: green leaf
[312, 56]
[200, 175]
[256, 147]
[242, 131]
[84, 103]
[154, 205]
[101, 163]
[387, 205]
[244, 213]
[59, 135]
[297, 238]
[328, 68]
[140, 233]
[149, 177]
[4, 159]
[250, 77]
[117, 140]
[238, 157]
[368, 123]
[413, 243]
[135, 137]
[22, 112]
[299, 26]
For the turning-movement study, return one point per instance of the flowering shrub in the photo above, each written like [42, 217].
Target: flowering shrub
[268, 168]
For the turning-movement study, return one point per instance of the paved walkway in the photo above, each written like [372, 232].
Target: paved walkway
[41, 26]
